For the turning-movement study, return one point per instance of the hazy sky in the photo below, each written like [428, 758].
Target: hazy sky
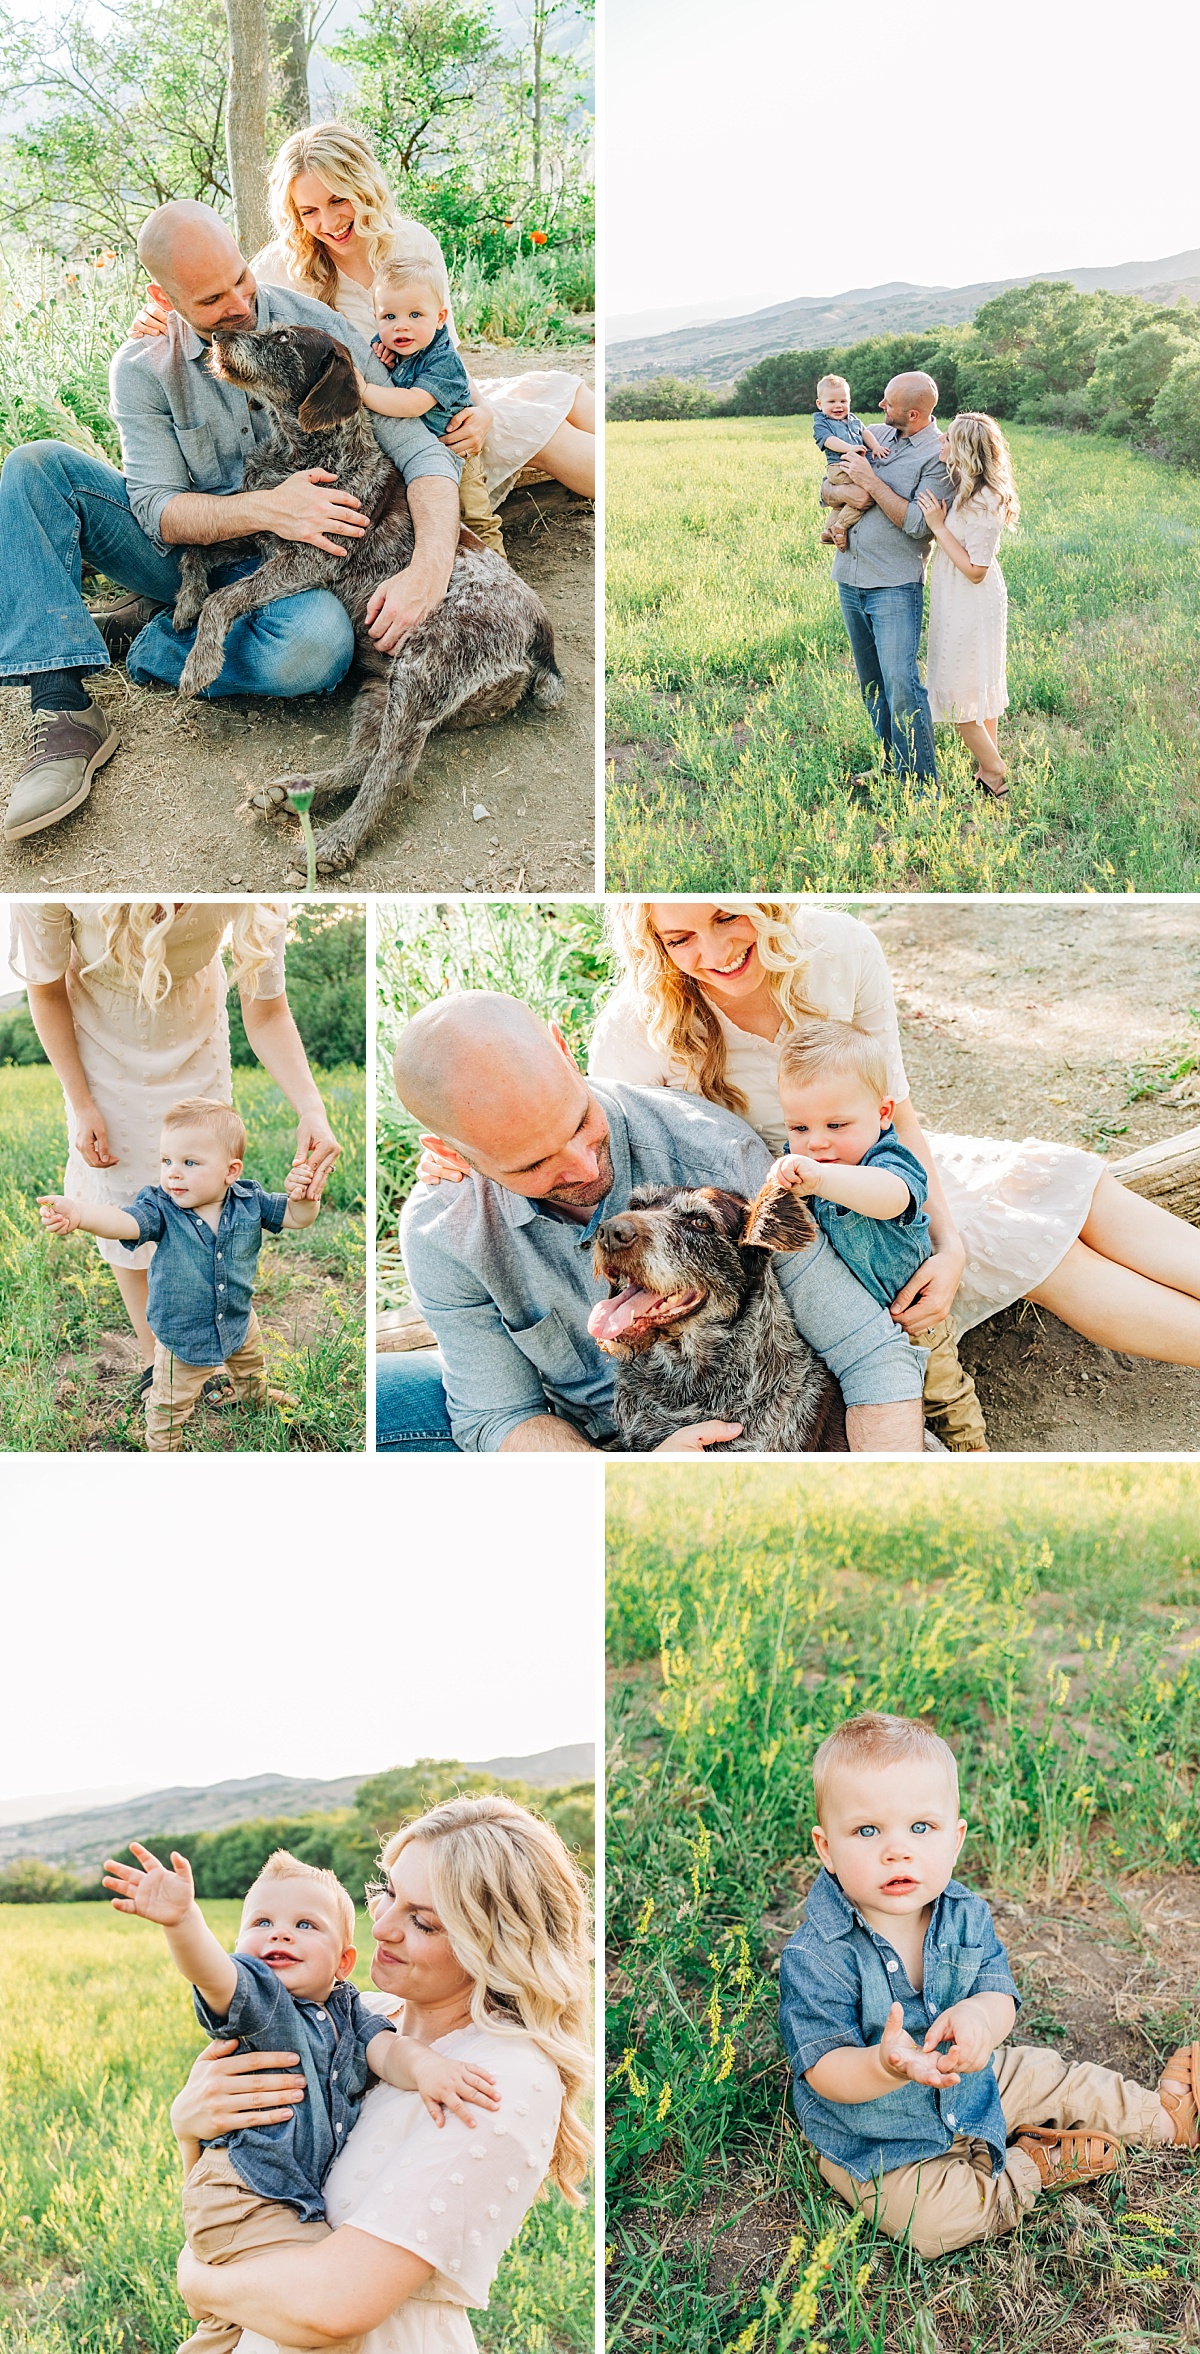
[752, 155]
[299, 1615]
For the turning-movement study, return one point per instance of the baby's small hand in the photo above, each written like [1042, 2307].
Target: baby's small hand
[301, 1185]
[968, 2031]
[152, 1891]
[798, 1172]
[905, 2058]
[449, 2084]
[58, 1214]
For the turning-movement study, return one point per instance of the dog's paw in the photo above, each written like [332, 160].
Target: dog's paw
[271, 798]
[334, 853]
[188, 609]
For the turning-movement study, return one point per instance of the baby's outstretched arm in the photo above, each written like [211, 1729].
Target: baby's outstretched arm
[61, 1215]
[876, 1193]
[304, 1194]
[155, 1893]
[394, 400]
[876, 447]
[443, 2084]
[864, 2072]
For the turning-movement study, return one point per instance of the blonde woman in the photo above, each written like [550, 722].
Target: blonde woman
[128, 999]
[710, 990]
[968, 602]
[481, 1946]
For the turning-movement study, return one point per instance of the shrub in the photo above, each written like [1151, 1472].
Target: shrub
[662, 399]
[1131, 373]
[27, 1880]
[19, 1041]
[1175, 416]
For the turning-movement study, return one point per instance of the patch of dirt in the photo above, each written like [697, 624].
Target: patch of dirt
[1022, 1019]
[1104, 1972]
[170, 810]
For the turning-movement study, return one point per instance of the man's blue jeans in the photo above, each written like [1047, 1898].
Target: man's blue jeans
[410, 1405]
[59, 505]
[884, 629]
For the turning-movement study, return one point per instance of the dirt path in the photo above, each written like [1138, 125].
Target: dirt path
[1041, 1019]
[170, 810]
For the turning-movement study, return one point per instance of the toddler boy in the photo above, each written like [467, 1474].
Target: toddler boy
[207, 1222]
[867, 1194]
[895, 2001]
[283, 1989]
[838, 432]
[429, 380]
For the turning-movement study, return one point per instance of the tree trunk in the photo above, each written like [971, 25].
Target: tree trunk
[246, 120]
[293, 24]
[1166, 1173]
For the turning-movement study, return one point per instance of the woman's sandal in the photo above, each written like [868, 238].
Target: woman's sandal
[995, 791]
[1081, 2156]
[1179, 2092]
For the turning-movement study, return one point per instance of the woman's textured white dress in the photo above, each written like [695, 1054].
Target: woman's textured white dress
[456, 2197]
[968, 619]
[139, 1059]
[1018, 1206]
[526, 409]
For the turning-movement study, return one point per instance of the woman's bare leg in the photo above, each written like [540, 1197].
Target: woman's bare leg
[1138, 1234]
[582, 411]
[1119, 1309]
[980, 741]
[133, 1284]
[570, 455]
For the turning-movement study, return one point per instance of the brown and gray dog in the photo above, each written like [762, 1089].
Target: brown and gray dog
[487, 645]
[700, 1328]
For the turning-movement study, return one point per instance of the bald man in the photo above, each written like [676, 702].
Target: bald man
[185, 438]
[880, 574]
[500, 1254]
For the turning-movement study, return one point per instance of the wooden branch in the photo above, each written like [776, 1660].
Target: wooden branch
[246, 120]
[1166, 1173]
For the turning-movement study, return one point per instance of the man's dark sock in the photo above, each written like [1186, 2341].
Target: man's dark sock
[58, 690]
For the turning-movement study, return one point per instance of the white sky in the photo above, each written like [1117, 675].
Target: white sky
[747, 158]
[293, 1615]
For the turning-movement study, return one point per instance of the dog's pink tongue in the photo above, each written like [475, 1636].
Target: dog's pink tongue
[610, 1318]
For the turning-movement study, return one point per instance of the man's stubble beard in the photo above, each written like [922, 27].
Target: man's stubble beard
[585, 1197]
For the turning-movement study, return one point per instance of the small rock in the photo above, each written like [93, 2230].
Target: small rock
[479, 811]
[236, 882]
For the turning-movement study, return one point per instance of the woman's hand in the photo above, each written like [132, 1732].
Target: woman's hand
[934, 510]
[228, 2089]
[440, 1164]
[928, 1296]
[696, 1437]
[467, 432]
[151, 319]
[316, 1145]
[91, 1137]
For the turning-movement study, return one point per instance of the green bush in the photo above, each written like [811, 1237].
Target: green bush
[1130, 373]
[1175, 416]
[524, 302]
[27, 1880]
[667, 398]
[326, 986]
[19, 1041]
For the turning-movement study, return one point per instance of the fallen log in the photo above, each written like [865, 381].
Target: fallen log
[1166, 1173]
[402, 1328]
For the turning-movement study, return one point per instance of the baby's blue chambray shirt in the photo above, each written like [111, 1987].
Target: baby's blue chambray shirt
[290, 2161]
[883, 1252]
[201, 1283]
[439, 370]
[838, 1981]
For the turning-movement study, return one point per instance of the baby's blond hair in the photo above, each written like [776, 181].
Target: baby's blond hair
[217, 1119]
[819, 1050]
[402, 272]
[282, 1866]
[832, 384]
[873, 1739]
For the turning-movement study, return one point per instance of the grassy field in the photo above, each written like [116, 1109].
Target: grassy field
[1048, 1620]
[735, 719]
[67, 1363]
[96, 2036]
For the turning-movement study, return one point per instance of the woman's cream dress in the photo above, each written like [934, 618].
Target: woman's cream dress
[526, 409]
[968, 619]
[1017, 1207]
[139, 1059]
[456, 2197]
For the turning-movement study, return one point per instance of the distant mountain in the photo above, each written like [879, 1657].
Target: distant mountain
[81, 1841]
[721, 349]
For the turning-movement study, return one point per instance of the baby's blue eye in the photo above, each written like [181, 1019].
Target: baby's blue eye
[867, 1831]
[918, 1826]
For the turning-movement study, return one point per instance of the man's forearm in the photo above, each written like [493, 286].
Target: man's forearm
[546, 1434]
[196, 519]
[894, 1429]
[433, 504]
[890, 504]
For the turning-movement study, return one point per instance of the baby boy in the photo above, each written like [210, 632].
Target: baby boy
[207, 1222]
[429, 381]
[867, 1192]
[838, 432]
[284, 1988]
[895, 2002]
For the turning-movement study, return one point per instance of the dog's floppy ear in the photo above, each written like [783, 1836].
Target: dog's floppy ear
[334, 396]
[779, 1220]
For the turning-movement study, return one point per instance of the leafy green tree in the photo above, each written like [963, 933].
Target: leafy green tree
[664, 398]
[326, 985]
[28, 1880]
[1175, 416]
[1131, 372]
[19, 1041]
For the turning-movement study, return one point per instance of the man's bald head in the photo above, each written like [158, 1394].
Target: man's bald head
[192, 257]
[913, 393]
[485, 1075]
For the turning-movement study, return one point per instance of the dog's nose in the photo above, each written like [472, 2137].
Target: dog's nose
[616, 1234]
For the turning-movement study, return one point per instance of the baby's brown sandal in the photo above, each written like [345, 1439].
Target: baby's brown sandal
[1179, 2092]
[1081, 2157]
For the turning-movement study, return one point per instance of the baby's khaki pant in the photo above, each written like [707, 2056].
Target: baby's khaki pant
[949, 2201]
[952, 1407]
[171, 1397]
[475, 506]
[840, 519]
[223, 2220]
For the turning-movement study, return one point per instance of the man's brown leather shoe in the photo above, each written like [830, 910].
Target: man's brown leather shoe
[66, 748]
[120, 624]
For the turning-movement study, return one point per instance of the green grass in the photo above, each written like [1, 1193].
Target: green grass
[1048, 1621]
[57, 1298]
[732, 681]
[96, 2036]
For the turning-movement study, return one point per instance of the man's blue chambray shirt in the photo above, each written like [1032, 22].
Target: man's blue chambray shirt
[883, 554]
[182, 429]
[883, 1252]
[201, 1283]
[439, 370]
[838, 1981]
[508, 1286]
[290, 2161]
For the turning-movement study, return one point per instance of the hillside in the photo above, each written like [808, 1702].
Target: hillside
[719, 350]
[83, 1840]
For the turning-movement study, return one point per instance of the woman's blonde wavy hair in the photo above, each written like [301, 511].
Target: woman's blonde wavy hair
[977, 456]
[680, 1020]
[137, 931]
[514, 1908]
[341, 159]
